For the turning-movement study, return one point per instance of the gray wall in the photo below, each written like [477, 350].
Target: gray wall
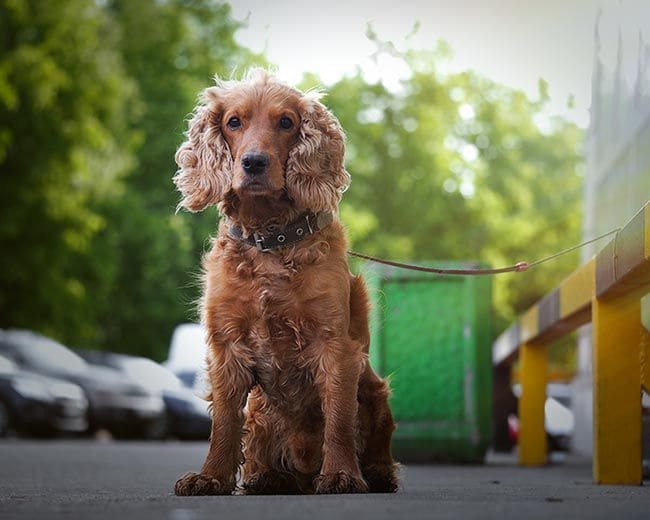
[617, 153]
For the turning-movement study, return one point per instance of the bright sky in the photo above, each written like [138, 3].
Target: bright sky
[514, 42]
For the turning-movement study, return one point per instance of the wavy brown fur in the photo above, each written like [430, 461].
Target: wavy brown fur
[288, 329]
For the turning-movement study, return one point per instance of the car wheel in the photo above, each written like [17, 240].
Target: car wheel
[4, 420]
[158, 429]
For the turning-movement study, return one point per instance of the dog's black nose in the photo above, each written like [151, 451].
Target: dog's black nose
[255, 163]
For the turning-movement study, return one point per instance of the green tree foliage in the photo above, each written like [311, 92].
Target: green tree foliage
[93, 98]
[171, 50]
[64, 144]
[453, 166]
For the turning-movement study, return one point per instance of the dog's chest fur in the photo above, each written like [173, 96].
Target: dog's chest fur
[267, 311]
[281, 339]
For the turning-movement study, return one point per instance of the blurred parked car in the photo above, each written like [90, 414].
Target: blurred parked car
[187, 351]
[187, 414]
[39, 405]
[115, 403]
[558, 417]
[186, 376]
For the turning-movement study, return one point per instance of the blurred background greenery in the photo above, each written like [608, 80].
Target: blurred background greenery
[93, 102]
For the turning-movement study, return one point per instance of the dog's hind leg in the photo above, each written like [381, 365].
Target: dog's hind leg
[376, 430]
[376, 424]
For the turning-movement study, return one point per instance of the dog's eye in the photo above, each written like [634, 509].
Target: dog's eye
[233, 123]
[285, 123]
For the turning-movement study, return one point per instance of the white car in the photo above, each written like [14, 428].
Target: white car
[187, 356]
[558, 417]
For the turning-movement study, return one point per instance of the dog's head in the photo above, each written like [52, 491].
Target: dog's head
[261, 138]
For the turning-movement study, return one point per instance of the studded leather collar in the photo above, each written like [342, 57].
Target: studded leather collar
[307, 224]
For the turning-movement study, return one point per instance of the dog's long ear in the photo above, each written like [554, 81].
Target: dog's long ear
[316, 177]
[204, 159]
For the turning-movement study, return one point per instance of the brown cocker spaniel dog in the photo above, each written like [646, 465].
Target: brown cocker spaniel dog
[293, 396]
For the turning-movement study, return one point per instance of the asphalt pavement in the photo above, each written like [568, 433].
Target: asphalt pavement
[84, 479]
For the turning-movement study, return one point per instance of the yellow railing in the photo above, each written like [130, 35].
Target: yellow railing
[607, 291]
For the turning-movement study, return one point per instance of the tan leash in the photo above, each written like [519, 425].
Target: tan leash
[516, 268]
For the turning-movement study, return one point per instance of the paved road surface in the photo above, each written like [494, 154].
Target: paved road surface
[119, 481]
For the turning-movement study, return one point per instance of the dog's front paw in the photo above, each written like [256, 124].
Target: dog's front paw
[198, 484]
[340, 482]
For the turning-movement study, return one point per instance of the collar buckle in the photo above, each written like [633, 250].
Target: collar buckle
[311, 231]
[259, 242]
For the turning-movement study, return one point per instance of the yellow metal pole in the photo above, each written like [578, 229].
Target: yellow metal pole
[617, 334]
[645, 342]
[533, 372]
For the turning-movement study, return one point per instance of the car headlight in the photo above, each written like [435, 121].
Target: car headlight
[31, 389]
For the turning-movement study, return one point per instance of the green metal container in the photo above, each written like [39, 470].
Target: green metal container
[430, 335]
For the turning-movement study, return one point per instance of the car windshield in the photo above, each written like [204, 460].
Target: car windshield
[187, 377]
[150, 374]
[45, 354]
